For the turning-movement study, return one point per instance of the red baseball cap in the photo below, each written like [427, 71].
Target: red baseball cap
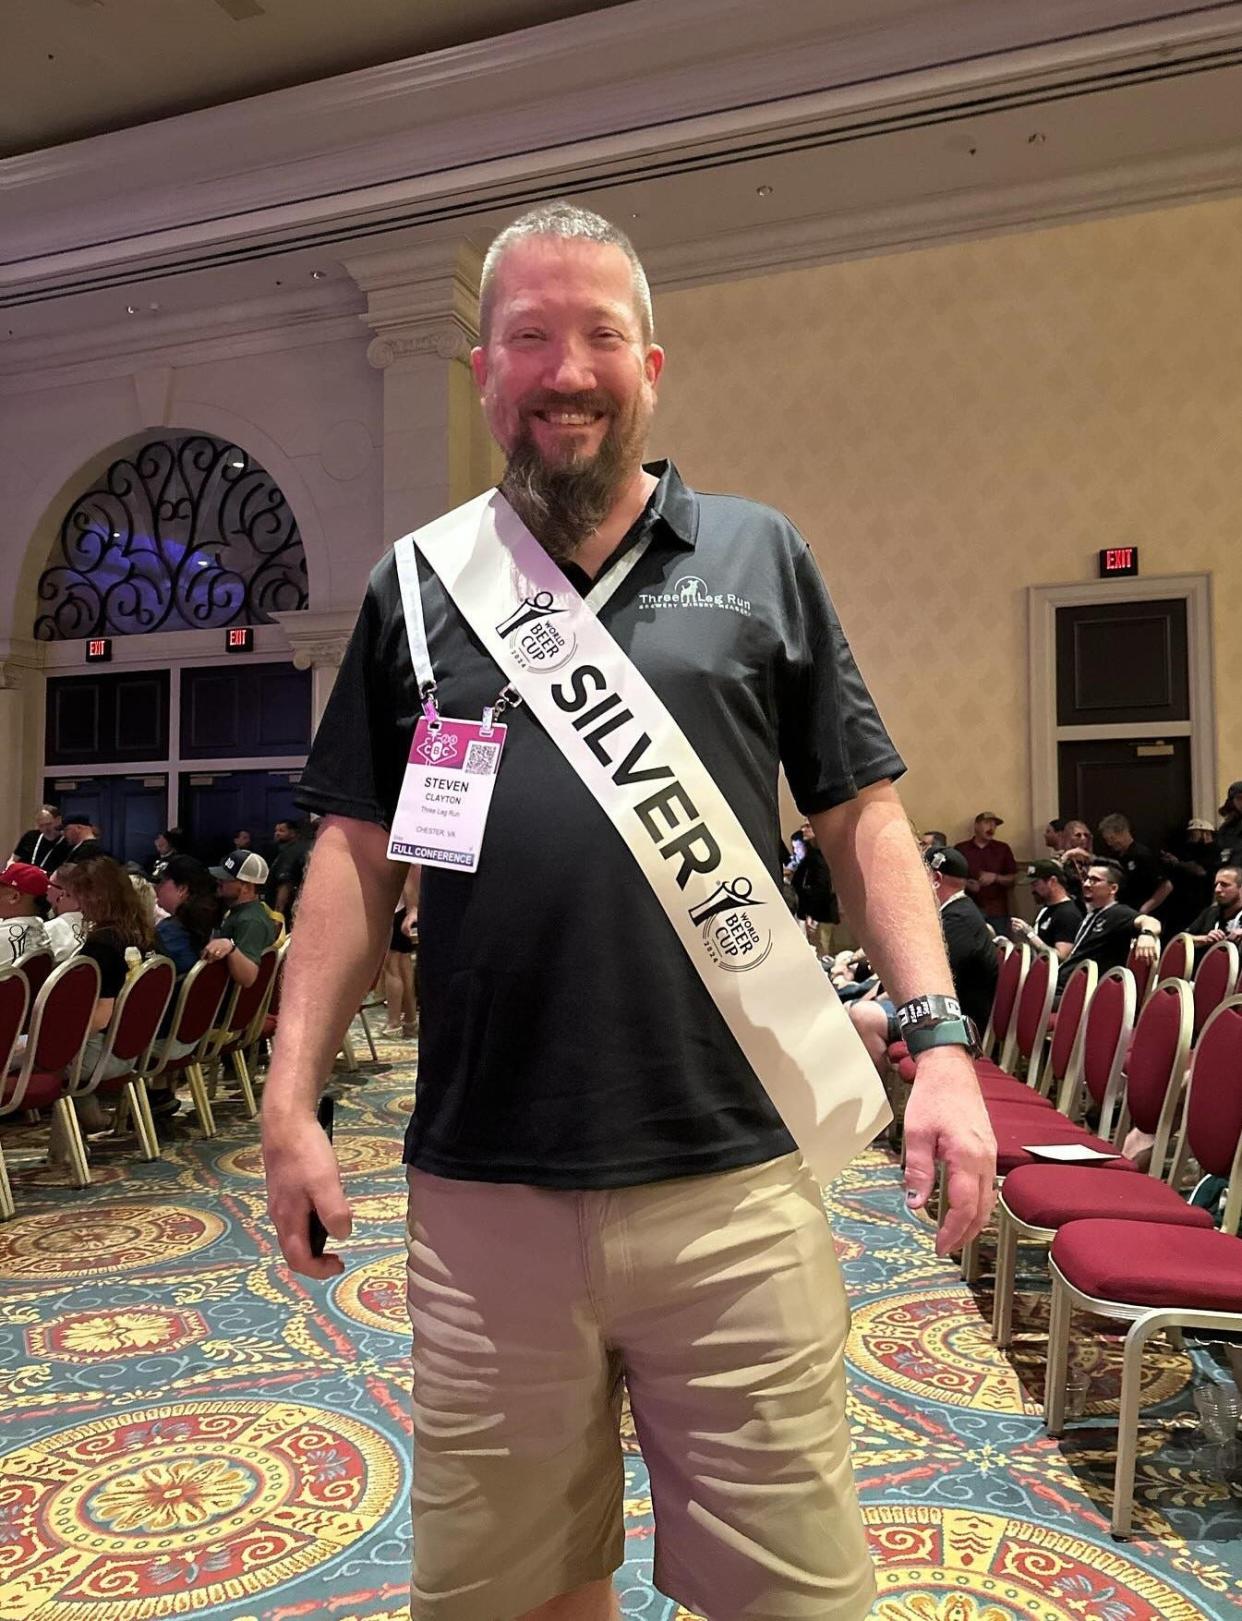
[27, 879]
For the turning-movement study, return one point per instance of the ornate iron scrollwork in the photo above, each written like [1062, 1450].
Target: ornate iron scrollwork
[187, 534]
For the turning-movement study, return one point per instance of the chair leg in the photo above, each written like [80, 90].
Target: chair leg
[1058, 1359]
[144, 1125]
[78, 1168]
[242, 1071]
[202, 1103]
[7, 1208]
[970, 1261]
[347, 1053]
[366, 1030]
[1003, 1285]
[1127, 1429]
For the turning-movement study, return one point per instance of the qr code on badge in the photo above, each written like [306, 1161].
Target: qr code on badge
[480, 759]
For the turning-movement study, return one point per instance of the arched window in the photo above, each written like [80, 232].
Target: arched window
[186, 533]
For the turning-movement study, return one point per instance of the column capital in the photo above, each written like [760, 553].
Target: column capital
[18, 655]
[317, 640]
[421, 301]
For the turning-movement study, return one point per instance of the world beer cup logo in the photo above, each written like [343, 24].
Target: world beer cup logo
[734, 938]
[535, 640]
[438, 748]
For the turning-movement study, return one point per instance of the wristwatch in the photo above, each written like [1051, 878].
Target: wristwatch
[936, 1021]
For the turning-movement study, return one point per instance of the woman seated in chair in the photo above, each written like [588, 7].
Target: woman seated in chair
[116, 925]
[186, 891]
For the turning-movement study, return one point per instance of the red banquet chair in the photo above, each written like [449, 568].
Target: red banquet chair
[1105, 1037]
[243, 1023]
[1027, 1043]
[134, 1026]
[1014, 961]
[1160, 1276]
[183, 1048]
[35, 966]
[1177, 960]
[53, 1058]
[1216, 979]
[1037, 1200]
[14, 1000]
[1142, 965]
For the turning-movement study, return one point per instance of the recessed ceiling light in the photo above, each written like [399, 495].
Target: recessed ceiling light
[1036, 138]
[763, 191]
[131, 309]
[318, 275]
[153, 306]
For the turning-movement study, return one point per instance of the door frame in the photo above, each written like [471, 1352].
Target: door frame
[1042, 604]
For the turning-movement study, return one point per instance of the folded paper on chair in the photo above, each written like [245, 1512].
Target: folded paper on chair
[1069, 1153]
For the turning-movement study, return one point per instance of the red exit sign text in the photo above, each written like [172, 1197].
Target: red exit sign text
[99, 650]
[1118, 560]
[240, 639]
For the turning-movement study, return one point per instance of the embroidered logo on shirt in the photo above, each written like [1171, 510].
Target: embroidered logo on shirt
[692, 592]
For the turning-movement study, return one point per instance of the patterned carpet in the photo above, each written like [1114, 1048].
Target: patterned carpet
[190, 1431]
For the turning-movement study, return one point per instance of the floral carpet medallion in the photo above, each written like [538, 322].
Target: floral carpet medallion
[191, 1430]
[194, 1505]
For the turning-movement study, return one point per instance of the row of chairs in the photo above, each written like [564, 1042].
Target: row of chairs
[213, 1020]
[1123, 1245]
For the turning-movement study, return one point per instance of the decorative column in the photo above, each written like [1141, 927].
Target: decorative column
[422, 305]
[318, 642]
[22, 702]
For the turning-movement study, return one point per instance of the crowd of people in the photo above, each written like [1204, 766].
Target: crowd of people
[62, 893]
[1096, 897]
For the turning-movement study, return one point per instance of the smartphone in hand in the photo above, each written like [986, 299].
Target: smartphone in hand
[316, 1232]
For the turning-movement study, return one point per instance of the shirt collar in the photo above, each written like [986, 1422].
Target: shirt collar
[958, 895]
[672, 504]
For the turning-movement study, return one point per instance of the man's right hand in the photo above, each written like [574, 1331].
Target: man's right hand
[302, 1172]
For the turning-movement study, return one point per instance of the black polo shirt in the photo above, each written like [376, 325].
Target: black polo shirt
[1105, 936]
[972, 957]
[566, 1039]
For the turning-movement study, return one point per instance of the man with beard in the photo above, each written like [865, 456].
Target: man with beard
[601, 1188]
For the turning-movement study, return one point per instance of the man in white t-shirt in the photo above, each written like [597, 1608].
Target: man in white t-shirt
[65, 928]
[22, 886]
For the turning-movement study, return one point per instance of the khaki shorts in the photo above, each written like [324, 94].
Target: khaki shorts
[719, 1300]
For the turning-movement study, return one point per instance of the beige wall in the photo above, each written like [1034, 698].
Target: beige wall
[950, 426]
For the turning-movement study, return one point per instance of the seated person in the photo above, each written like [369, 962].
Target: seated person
[186, 893]
[22, 887]
[1222, 920]
[1058, 920]
[1109, 928]
[116, 923]
[65, 929]
[971, 952]
[249, 927]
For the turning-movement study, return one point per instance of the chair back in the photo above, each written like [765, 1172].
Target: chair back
[1065, 1049]
[1216, 979]
[58, 1026]
[1141, 964]
[1177, 960]
[1110, 1019]
[1156, 1064]
[1029, 1026]
[14, 1000]
[1214, 1103]
[278, 981]
[136, 1017]
[1009, 982]
[249, 1003]
[194, 1014]
[35, 966]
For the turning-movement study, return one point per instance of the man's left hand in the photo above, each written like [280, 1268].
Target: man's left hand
[215, 949]
[946, 1120]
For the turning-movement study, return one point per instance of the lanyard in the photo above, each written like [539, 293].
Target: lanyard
[602, 592]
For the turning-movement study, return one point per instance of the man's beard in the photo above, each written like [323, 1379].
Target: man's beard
[562, 504]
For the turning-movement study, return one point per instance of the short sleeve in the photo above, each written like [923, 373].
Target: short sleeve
[832, 740]
[111, 961]
[358, 753]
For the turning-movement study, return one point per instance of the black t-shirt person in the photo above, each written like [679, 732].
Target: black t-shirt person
[567, 1040]
[1141, 875]
[1105, 936]
[972, 956]
[1057, 923]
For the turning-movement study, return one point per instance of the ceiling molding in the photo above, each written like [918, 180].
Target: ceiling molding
[801, 244]
[219, 332]
[449, 130]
